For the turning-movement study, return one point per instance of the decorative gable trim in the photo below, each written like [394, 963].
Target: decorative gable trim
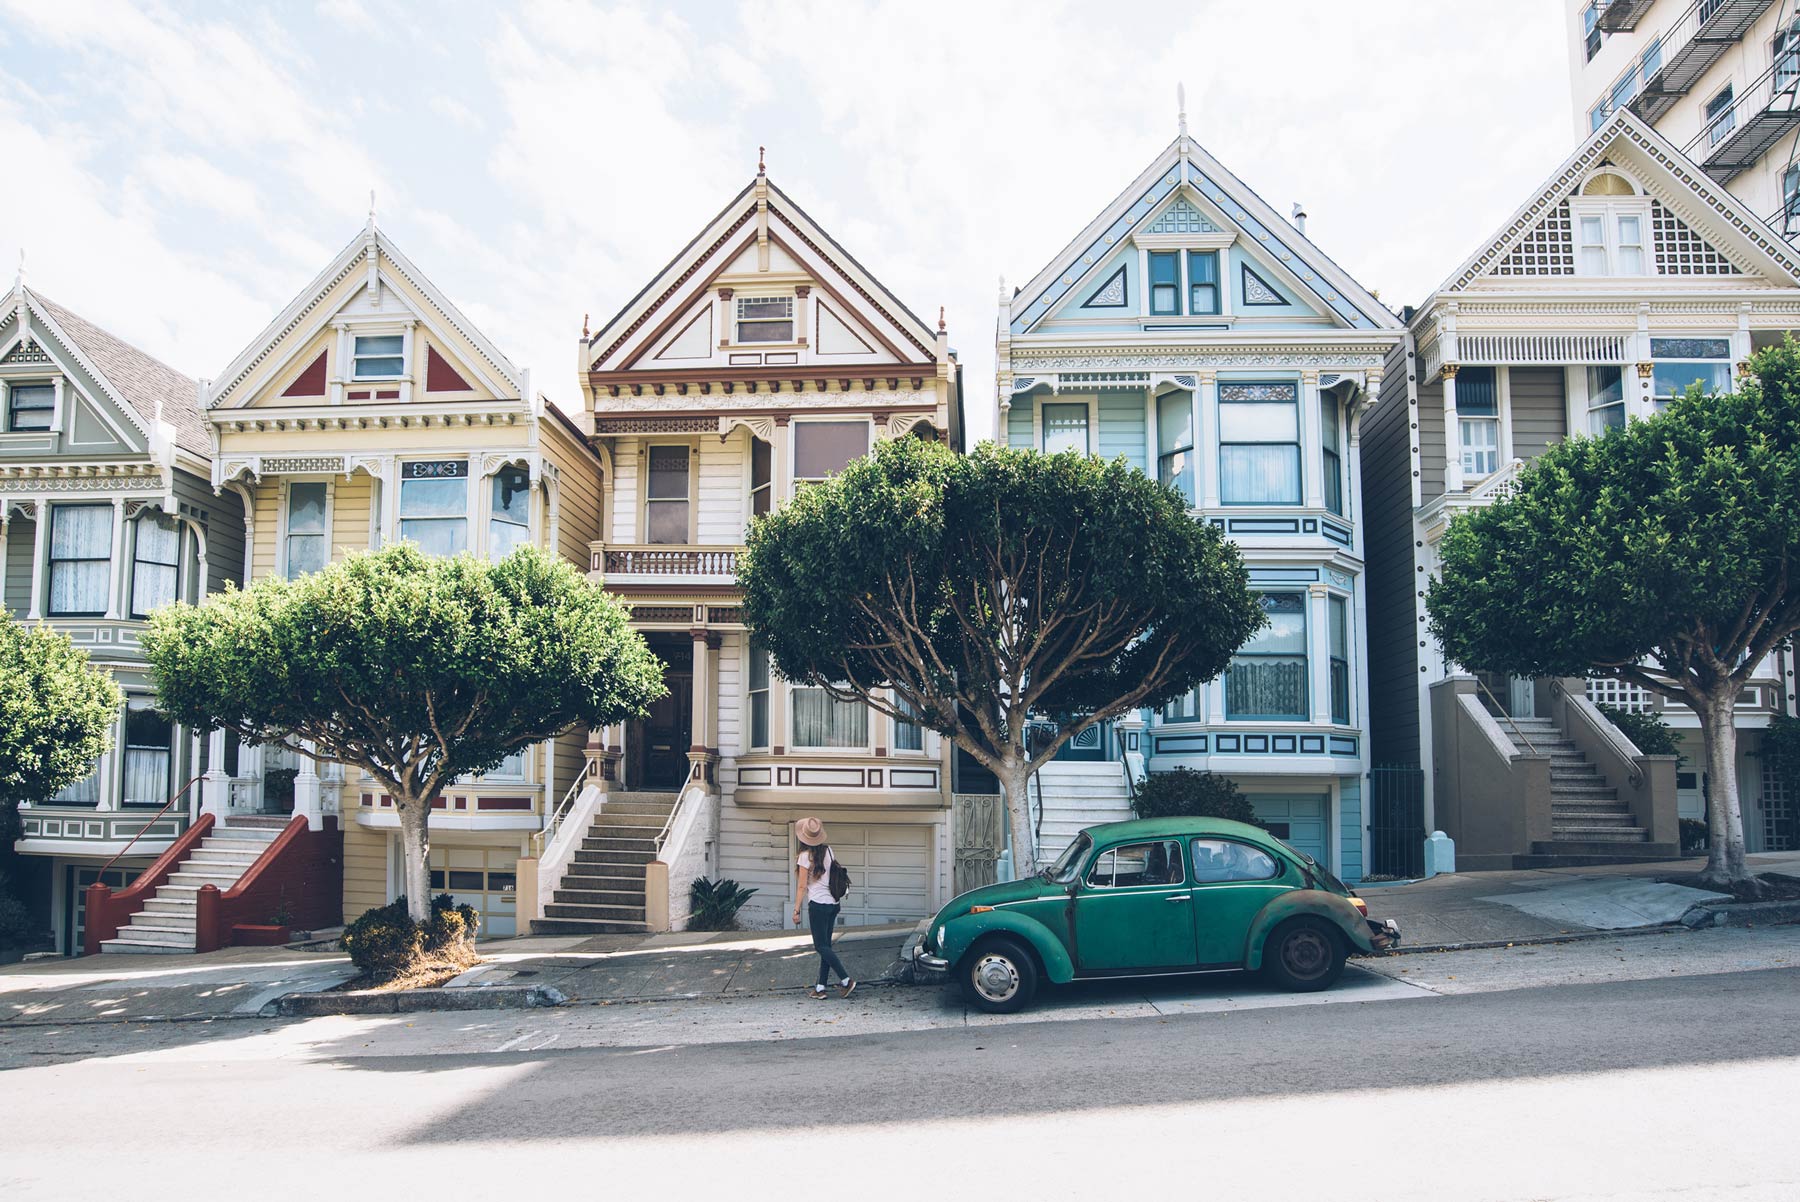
[693, 266]
[49, 325]
[1111, 294]
[893, 321]
[1258, 291]
[441, 375]
[1182, 218]
[311, 382]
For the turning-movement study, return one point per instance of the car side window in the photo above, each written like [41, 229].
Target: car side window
[1221, 860]
[1157, 863]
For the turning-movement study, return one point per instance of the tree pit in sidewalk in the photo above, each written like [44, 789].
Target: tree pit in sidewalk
[1769, 886]
[395, 952]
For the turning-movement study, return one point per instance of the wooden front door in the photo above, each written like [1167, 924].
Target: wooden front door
[668, 732]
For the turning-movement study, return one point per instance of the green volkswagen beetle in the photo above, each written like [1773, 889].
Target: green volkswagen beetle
[1153, 897]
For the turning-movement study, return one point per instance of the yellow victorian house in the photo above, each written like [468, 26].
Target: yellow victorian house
[371, 409]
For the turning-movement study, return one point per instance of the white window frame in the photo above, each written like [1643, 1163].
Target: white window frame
[1093, 421]
[751, 692]
[136, 560]
[895, 727]
[793, 714]
[1182, 244]
[6, 406]
[1720, 125]
[281, 532]
[491, 515]
[1656, 400]
[1609, 211]
[738, 319]
[471, 531]
[693, 491]
[402, 332]
[794, 446]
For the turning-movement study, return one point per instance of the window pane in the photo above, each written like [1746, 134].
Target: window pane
[306, 509]
[1165, 283]
[81, 532]
[822, 721]
[1480, 446]
[156, 571]
[1477, 395]
[1138, 864]
[668, 473]
[1259, 422]
[1267, 475]
[1606, 386]
[506, 537]
[759, 668]
[149, 738]
[437, 536]
[908, 736]
[666, 522]
[512, 495]
[759, 719]
[1065, 428]
[84, 792]
[762, 470]
[80, 559]
[1266, 686]
[1286, 630]
[1673, 379]
[821, 448]
[380, 344]
[1203, 281]
[1221, 860]
[1174, 421]
[306, 553]
[30, 406]
[1328, 422]
[1339, 610]
[433, 498]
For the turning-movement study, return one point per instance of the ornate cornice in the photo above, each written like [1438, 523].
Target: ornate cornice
[1191, 360]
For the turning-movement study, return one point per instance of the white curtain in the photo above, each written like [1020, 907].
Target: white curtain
[157, 563]
[822, 721]
[80, 558]
[149, 741]
[84, 792]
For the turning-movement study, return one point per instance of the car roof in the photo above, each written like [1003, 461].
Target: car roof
[1160, 828]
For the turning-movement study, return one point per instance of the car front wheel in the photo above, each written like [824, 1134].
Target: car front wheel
[1304, 955]
[999, 976]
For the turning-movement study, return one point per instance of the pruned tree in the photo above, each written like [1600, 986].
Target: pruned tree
[1663, 554]
[416, 669]
[56, 715]
[970, 594]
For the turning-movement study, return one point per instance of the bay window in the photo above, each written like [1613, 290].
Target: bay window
[378, 357]
[1478, 420]
[149, 754]
[1605, 399]
[759, 697]
[1184, 708]
[762, 477]
[434, 505]
[305, 528]
[1065, 428]
[155, 564]
[509, 520]
[908, 736]
[1338, 617]
[1267, 677]
[1682, 362]
[821, 720]
[84, 792]
[822, 449]
[1331, 449]
[1175, 442]
[80, 560]
[30, 406]
[1259, 444]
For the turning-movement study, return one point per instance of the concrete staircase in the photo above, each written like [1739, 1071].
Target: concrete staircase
[166, 924]
[1076, 794]
[603, 890]
[1588, 822]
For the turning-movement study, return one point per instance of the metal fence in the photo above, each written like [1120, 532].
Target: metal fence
[1396, 821]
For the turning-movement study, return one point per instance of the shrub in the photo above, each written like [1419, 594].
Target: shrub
[1694, 835]
[16, 927]
[385, 942]
[449, 923]
[1647, 730]
[1185, 793]
[716, 904]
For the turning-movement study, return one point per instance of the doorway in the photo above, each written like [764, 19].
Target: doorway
[657, 746]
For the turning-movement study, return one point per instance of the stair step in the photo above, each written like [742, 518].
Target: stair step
[145, 947]
[631, 795]
[651, 822]
[612, 808]
[157, 925]
[175, 935]
[1574, 853]
[223, 880]
[173, 907]
[254, 847]
[1597, 834]
[600, 913]
[609, 843]
[613, 857]
[585, 926]
[591, 897]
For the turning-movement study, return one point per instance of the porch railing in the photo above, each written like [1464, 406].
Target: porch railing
[662, 560]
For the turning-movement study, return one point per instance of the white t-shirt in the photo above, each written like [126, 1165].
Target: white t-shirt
[818, 889]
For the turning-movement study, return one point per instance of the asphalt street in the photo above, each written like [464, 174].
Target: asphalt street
[1523, 1085]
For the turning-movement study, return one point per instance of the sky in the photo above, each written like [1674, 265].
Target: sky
[177, 173]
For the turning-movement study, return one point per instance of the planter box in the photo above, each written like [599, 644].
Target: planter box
[252, 935]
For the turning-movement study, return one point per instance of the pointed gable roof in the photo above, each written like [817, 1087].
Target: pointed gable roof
[667, 296]
[143, 387]
[1185, 167]
[1695, 199]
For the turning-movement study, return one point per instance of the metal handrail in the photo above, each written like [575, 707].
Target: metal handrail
[151, 821]
[662, 836]
[1482, 685]
[554, 820]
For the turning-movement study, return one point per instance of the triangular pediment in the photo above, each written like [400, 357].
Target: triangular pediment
[762, 286]
[1693, 229]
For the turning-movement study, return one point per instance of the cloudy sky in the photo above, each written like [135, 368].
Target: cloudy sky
[177, 172]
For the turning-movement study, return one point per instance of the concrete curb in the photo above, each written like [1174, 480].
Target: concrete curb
[412, 1001]
[1740, 914]
[1476, 945]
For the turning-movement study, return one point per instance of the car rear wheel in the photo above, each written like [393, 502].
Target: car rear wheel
[999, 976]
[1304, 955]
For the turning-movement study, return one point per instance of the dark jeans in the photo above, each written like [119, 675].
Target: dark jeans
[823, 919]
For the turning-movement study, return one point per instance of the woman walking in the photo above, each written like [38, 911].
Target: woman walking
[812, 885]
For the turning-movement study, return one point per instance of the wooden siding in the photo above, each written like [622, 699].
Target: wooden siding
[722, 492]
[21, 547]
[350, 515]
[1350, 827]
[1122, 427]
[625, 491]
[730, 700]
[1539, 410]
[365, 861]
[1388, 536]
[224, 524]
[1431, 439]
[579, 487]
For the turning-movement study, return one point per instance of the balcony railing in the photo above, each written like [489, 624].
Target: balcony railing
[1698, 39]
[1786, 220]
[1622, 16]
[663, 562]
[1735, 138]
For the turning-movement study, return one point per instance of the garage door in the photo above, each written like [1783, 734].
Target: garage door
[485, 878]
[1301, 820]
[890, 872]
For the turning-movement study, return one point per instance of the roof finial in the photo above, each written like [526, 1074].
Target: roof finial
[1181, 107]
[19, 280]
[941, 326]
[371, 208]
[760, 168]
[584, 329]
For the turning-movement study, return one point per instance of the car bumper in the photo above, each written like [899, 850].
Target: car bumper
[926, 968]
[1384, 933]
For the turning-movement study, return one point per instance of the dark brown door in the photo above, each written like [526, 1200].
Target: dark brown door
[668, 732]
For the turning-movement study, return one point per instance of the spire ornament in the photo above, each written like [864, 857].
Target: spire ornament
[1181, 108]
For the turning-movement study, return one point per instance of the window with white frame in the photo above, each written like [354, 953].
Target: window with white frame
[1611, 224]
[155, 563]
[1790, 199]
[1784, 50]
[305, 528]
[762, 477]
[84, 792]
[1590, 28]
[823, 449]
[434, 505]
[1065, 427]
[1605, 399]
[1175, 442]
[1721, 116]
[765, 319]
[1267, 677]
[1337, 612]
[821, 720]
[30, 407]
[759, 697]
[1478, 420]
[1165, 283]
[80, 560]
[908, 736]
[149, 754]
[378, 356]
[666, 483]
[510, 768]
[1331, 449]
[1259, 444]
[1683, 362]
[1199, 281]
[1185, 708]
[1203, 282]
[509, 517]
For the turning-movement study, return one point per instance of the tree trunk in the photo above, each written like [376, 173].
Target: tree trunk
[1015, 781]
[1725, 851]
[415, 843]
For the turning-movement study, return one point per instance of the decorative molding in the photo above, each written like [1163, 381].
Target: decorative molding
[293, 465]
[493, 461]
[1147, 362]
[1111, 294]
[760, 427]
[1258, 291]
[623, 406]
[693, 266]
[655, 425]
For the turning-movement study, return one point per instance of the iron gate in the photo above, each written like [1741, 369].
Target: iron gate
[1397, 821]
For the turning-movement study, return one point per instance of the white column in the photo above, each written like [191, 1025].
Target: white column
[117, 584]
[1318, 652]
[780, 464]
[1453, 474]
[1212, 701]
[5, 534]
[1312, 441]
[1207, 398]
[306, 791]
[40, 558]
[215, 790]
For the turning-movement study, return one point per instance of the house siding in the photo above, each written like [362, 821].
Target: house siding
[1123, 427]
[722, 491]
[1350, 828]
[1387, 467]
[1539, 410]
[21, 546]
[1431, 439]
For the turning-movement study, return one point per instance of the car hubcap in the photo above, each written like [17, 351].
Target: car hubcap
[1306, 954]
[996, 978]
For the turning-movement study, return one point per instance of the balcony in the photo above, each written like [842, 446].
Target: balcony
[1622, 16]
[644, 564]
[1698, 39]
[1750, 126]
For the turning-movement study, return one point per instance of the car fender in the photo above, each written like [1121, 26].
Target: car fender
[1329, 906]
[961, 934]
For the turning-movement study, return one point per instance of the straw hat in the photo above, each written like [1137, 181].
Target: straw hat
[810, 831]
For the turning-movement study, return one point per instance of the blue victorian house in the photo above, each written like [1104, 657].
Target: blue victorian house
[1192, 330]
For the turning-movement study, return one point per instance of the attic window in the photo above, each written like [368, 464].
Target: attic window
[765, 319]
[380, 356]
[28, 406]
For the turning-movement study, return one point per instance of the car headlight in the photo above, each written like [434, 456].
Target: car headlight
[940, 939]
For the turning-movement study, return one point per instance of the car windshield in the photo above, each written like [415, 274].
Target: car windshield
[1069, 863]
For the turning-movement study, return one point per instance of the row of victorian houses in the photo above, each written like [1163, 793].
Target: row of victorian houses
[1188, 327]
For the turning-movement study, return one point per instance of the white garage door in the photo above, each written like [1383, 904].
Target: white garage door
[1300, 820]
[485, 878]
[890, 872]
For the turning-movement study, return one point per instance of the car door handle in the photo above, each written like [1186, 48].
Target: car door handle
[1179, 897]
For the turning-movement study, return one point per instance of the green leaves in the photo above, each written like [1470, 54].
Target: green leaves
[56, 712]
[415, 667]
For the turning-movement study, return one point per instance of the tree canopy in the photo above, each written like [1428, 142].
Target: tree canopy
[418, 669]
[1662, 554]
[56, 713]
[968, 592]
